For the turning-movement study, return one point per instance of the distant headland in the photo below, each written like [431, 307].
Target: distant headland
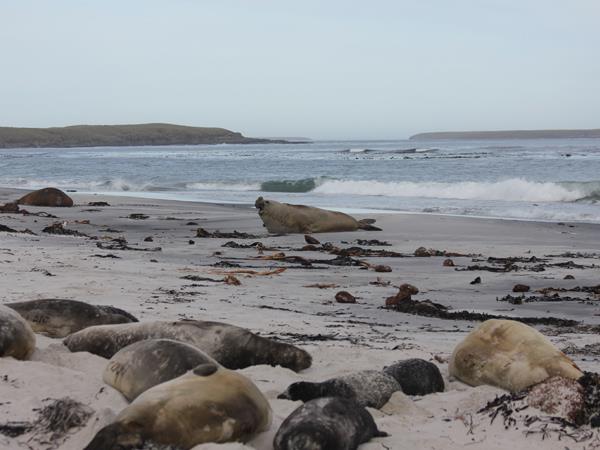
[122, 136]
[509, 134]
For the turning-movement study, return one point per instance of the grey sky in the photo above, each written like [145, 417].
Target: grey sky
[316, 68]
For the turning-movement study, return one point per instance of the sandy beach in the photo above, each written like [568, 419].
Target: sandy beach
[342, 338]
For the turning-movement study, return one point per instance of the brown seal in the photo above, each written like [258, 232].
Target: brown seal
[208, 404]
[284, 218]
[16, 337]
[231, 346]
[59, 317]
[46, 197]
[509, 355]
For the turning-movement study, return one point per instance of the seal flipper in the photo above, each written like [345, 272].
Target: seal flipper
[367, 225]
[114, 436]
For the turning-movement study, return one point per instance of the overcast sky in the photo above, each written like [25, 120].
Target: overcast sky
[314, 68]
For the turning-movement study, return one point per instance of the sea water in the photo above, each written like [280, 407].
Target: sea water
[546, 179]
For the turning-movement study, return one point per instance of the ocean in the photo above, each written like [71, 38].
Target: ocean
[547, 179]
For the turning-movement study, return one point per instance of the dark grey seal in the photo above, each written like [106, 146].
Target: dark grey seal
[144, 364]
[330, 423]
[416, 376]
[59, 317]
[371, 388]
[231, 346]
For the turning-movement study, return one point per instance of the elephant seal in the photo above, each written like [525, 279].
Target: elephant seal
[231, 346]
[208, 404]
[58, 318]
[16, 337]
[283, 218]
[329, 423]
[46, 197]
[509, 355]
[416, 376]
[144, 364]
[368, 388]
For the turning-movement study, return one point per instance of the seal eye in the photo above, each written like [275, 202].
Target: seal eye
[205, 370]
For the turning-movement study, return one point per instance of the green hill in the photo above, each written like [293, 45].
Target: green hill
[120, 136]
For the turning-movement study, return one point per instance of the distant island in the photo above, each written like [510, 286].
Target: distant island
[508, 134]
[121, 136]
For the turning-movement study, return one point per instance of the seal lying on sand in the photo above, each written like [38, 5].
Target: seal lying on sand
[231, 346]
[208, 404]
[368, 388]
[416, 376]
[144, 364]
[510, 355]
[46, 197]
[58, 317]
[284, 218]
[16, 337]
[330, 423]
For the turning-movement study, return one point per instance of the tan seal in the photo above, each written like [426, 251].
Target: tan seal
[46, 197]
[16, 337]
[208, 404]
[144, 364]
[284, 218]
[58, 318]
[231, 346]
[509, 355]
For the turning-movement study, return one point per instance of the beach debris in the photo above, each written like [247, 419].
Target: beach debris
[202, 233]
[42, 271]
[225, 264]
[148, 239]
[46, 197]
[587, 289]
[569, 277]
[231, 280]
[322, 286]
[250, 272]
[191, 242]
[191, 223]
[311, 240]
[448, 263]
[372, 242]
[7, 229]
[476, 281]
[345, 297]
[233, 244]
[138, 216]
[380, 282]
[98, 204]
[586, 350]
[108, 255]
[120, 243]
[520, 288]
[558, 396]
[58, 228]
[543, 298]
[55, 420]
[425, 252]
[381, 268]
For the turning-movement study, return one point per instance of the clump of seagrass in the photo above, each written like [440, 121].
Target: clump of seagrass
[54, 422]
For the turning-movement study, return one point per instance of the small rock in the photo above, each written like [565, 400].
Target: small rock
[311, 240]
[569, 277]
[191, 242]
[448, 263]
[138, 216]
[98, 204]
[345, 297]
[382, 268]
[148, 239]
[422, 251]
[476, 281]
[231, 280]
[520, 288]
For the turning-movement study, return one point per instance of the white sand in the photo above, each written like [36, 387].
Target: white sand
[357, 336]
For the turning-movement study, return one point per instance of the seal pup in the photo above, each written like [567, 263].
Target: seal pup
[16, 336]
[231, 346]
[283, 218]
[144, 364]
[329, 423]
[368, 388]
[509, 355]
[58, 318]
[416, 376]
[208, 404]
[46, 197]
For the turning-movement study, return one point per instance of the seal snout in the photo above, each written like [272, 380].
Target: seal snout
[259, 203]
